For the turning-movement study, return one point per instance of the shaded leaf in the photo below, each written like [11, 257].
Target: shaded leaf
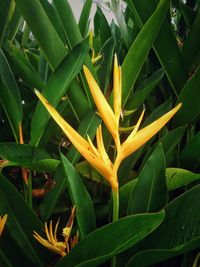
[27, 156]
[150, 192]
[84, 209]
[140, 48]
[189, 97]
[177, 178]
[21, 230]
[180, 231]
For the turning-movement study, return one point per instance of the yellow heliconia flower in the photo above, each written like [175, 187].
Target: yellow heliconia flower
[2, 223]
[52, 243]
[98, 157]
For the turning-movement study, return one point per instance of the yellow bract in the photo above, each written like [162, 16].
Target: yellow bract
[98, 157]
[52, 243]
[2, 223]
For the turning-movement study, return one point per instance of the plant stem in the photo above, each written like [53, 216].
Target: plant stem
[115, 195]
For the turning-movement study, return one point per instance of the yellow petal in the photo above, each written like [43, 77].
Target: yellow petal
[47, 233]
[103, 107]
[101, 148]
[55, 231]
[2, 223]
[93, 148]
[51, 233]
[145, 134]
[45, 243]
[136, 126]
[73, 136]
[117, 88]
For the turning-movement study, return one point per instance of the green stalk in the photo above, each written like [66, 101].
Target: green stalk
[115, 196]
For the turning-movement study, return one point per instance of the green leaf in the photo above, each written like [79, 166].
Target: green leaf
[191, 45]
[111, 240]
[25, 70]
[56, 87]
[150, 192]
[27, 156]
[6, 11]
[68, 22]
[138, 97]
[169, 142]
[84, 18]
[4, 261]
[177, 178]
[140, 48]
[190, 157]
[165, 45]
[179, 232]
[84, 209]
[14, 24]
[20, 229]
[9, 95]
[103, 26]
[43, 31]
[189, 96]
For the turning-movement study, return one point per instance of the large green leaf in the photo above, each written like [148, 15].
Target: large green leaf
[191, 45]
[189, 157]
[140, 48]
[177, 178]
[84, 209]
[9, 95]
[84, 18]
[169, 142]
[138, 97]
[56, 87]
[165, 45]
[68, 22]
[43, 31]
[21, 222]
[27, 156]
[189, 96]
[111, 240]
[103, 27]
[150, 192]
[178, 233]
[5, 15]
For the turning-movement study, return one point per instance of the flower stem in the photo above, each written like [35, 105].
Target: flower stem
[115, 195]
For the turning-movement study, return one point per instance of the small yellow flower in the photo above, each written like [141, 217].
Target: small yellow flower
[98, 157]
[2, 223]
[52, 243]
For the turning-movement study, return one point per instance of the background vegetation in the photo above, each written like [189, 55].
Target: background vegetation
[43, 176]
